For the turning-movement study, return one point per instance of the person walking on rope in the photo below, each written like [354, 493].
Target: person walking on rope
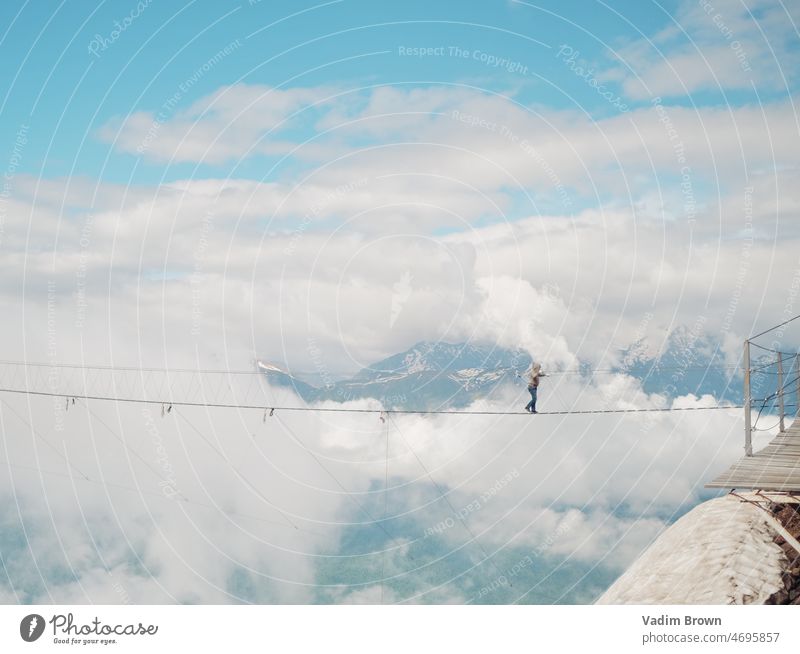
[533, 386]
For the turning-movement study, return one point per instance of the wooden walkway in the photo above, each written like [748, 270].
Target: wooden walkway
[775, 468]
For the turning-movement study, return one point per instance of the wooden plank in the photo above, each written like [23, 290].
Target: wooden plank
[760, 478]
[764, 471]
[757, 484]
[788, 464]
[772, 497]
[761, 473]
[776, 467]
[747, 481]
[773, 463]
[767, 465]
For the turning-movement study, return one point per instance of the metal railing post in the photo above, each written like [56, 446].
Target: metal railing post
[748, 444]
[781, 428]
[797, 373]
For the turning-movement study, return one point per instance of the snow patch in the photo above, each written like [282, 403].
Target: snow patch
[270, 367]
[415, 362]
[721, 552]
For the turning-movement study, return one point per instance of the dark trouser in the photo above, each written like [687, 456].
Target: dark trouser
[531, 406]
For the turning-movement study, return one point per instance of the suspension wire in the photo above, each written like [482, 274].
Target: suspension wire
[222, 371]
[130, 449]
[789, 357]
[385, 505]
[754, 428]
[183, 496]
[766, 331]
[109, 484]
[772, 396]
[767, 428]
[38, 435]
[761, 409]
[238, 474]
[779, 391]
[80, 366]
[319, 409]
[769, 349]
[790, 382]
[653, 367]
[758, 415]
[349, 494]
[444, 496]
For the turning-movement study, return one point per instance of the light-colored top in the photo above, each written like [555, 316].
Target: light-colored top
[533, 375]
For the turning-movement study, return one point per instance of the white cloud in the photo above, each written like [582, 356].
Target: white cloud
[439, 146]
[217, 128]
[195, 269]
[591, 489]
[720, 45]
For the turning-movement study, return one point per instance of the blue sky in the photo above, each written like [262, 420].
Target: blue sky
[67, 93]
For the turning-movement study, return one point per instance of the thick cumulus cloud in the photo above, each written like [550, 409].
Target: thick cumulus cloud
[664, 206]
[122, 502]
[195, 270]
[110, 502]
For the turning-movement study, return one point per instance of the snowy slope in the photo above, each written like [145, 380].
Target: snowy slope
[721, 552]
[438, 374]
[687, 362]
[429, 375]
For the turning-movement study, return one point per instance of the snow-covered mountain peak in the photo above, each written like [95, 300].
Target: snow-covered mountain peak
[269, 367]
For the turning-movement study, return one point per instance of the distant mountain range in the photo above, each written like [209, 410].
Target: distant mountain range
[439, 375]
[687, 363]
[429, 375]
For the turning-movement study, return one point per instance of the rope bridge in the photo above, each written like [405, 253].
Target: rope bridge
[231, 389]
[775, 467]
